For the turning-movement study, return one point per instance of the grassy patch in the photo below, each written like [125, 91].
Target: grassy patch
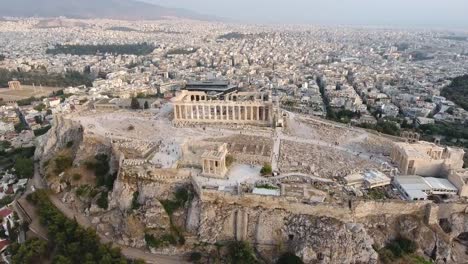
[135, 203]
[24, 167]
[376, 194]
[100, 166]
[86, 191]
[397, 250]
[182, 197]
[103, 201]
[241, 252]
[266, 170]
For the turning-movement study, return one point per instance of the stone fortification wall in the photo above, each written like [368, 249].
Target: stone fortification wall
[272, 203]
[354, 210]
[362, 209]
[447, 209]
[157, 175]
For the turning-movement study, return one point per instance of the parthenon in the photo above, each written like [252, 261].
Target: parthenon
[234, 108]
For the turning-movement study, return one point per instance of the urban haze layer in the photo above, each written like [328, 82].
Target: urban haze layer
[179, 141]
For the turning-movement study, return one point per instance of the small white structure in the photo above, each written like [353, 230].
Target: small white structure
[375, 178]
[369, 179]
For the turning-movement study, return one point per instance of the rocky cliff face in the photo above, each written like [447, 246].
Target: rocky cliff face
[319, 239]
[63, 133]
[316, 239]
[328, 240]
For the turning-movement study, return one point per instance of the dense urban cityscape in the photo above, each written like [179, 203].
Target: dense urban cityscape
[184, 141]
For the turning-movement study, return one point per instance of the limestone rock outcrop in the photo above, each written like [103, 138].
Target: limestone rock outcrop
[328, 240]
[63, 133]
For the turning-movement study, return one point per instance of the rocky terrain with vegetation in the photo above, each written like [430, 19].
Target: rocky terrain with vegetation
[173, 219]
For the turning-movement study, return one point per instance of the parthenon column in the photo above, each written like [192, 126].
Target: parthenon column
[258, 113]
[209, 112]
[185, 112]
[251, 113]
[227, 112]
[198, 112]
[216, 112]
[239, 113]
[223, 108]
[263, 113]
[191, 112]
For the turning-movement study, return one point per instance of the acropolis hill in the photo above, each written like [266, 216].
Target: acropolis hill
[216, 150]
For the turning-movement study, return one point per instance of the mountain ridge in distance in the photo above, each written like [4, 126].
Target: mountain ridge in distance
[88, 9]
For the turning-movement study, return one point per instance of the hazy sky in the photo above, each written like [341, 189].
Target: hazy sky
[432, 13]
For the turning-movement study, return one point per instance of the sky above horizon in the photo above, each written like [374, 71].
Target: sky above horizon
[419, 13]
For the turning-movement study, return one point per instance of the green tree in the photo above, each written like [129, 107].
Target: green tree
[46, 79]
[240, 252]
[135, 203]
[40, 107]
[24, 167]
[266, 170]
[41, 131]
[134, 104]
[6, 200]
[457, 91]
[32, 251]
[20, 127]
[70, 243]
[62, 163]
[289, 258]
[195, 257]
[103, 201]
[38, 119]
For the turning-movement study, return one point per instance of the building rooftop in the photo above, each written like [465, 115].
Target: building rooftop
[412, 183]
[417, 187]
[440, 184]
[374, 176]
[220, 86]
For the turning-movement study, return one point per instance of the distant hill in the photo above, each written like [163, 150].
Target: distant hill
[457, 91]
[113, 9]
